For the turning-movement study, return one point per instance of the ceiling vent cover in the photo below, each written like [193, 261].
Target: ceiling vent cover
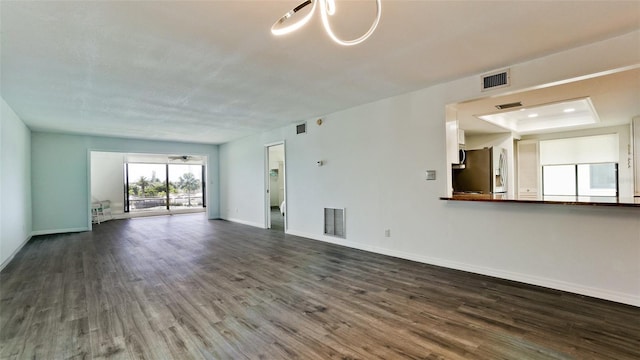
[496, 80]
[301, 128]
[509, 105]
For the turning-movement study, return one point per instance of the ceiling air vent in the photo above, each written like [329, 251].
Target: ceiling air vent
[509, 105]
[495, 80]
[301, 128]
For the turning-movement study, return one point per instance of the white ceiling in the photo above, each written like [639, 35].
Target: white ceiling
[211, 71]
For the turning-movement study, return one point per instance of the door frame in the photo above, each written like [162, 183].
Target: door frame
[267, 184]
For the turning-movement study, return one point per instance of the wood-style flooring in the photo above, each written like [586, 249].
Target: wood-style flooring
[277, 219]
[183, 287]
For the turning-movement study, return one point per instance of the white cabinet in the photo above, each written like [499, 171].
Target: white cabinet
[460, 136]
[452, 143]
[528, 170]
[455, 136]
[101, 211]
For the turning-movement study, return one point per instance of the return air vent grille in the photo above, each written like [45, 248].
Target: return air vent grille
[334, 222]
[495, 80]
[301, 128]
[509, 105]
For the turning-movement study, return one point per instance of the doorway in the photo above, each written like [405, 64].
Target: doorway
[275, 180]
[138, 184]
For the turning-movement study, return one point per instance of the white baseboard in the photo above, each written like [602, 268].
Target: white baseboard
[58, 231]
[13, 254]
[132, 215]
[623, 298]
[244, 222]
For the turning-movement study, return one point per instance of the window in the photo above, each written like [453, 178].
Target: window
[580, 166]
[559, 180]
[580, 180]
[153, 187]
[146, 187]
[598, 179]
[187, 184]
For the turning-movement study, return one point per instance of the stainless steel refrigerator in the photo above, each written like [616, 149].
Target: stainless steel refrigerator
[485, 172]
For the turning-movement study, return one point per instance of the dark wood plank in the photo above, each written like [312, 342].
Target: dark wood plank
[189, 288]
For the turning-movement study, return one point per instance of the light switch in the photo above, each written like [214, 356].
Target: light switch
[431, 174]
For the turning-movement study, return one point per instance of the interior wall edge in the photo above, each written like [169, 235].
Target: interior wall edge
[59, 231]
[16, 208]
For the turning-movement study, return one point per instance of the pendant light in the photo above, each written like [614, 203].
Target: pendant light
[286, 24]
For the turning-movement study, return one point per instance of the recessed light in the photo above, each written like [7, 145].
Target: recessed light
[569, 110]
[544, 117]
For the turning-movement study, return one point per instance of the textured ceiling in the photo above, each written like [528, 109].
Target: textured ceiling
[211, 72]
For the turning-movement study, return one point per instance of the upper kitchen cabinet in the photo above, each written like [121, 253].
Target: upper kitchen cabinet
[455, 137]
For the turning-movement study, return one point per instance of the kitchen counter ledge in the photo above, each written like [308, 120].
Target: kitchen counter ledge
[556, 200]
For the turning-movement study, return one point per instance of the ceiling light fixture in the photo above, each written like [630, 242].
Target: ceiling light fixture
[327, 8]
[545, 117]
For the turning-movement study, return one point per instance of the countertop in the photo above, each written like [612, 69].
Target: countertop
[555, 200]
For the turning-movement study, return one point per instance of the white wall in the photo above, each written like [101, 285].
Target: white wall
[15, 183]
[375, 160]
[244, 174]
[107, 176]
[61, 175]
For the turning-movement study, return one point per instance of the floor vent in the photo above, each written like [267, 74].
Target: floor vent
[334, 222]
[301, 128]
[495, 80]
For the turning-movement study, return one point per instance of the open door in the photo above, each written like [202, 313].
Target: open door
[275, 178]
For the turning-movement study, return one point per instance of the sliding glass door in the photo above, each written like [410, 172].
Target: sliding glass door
[187, 184]
[154, 187]
[146, 187]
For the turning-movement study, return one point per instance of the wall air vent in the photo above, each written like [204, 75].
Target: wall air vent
[301, 128]
[509, 105]
[334, 222]
[495, 80]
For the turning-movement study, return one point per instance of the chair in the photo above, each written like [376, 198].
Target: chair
[96, 212]
[100, 211]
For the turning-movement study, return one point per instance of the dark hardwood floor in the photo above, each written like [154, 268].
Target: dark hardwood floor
[183, 287]
[277, 219]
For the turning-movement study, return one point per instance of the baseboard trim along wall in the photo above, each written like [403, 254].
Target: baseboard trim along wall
[8, 260]
[508, 275]
[59, 231]
[133, 215]
[244, 222]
